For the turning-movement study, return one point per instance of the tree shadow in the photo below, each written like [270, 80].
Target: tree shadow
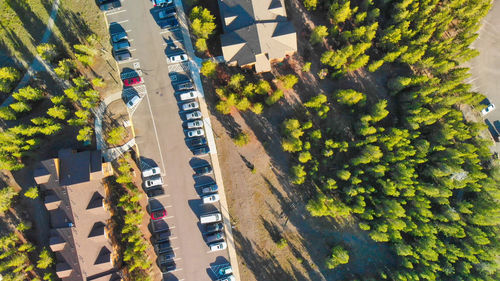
[73, 28]
[30, 21]
[19, 46]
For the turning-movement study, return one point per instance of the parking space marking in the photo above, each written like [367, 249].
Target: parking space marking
[177, 259]
[114, 13]
[178, 269]
[120, 22]
[132, 50]
[172, 41]
[173, 237]
[128, 61]
[130, 40]
[169, 217]
[128, 30]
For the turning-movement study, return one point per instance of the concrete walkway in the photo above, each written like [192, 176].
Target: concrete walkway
[194, 65]
[37, 64]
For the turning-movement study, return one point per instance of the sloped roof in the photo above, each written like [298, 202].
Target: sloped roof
[56, 243]
[266, 36]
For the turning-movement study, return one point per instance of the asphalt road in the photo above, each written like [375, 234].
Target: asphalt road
[485, 68]
[161, 139]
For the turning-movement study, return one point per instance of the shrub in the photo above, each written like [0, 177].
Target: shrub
[116, 135]
[257, 108]
[310, 4]
[241, 139]
[32, 192]
[339, 256]
[208, 68]
[289, 81]
[201, 45]
[98, 82]
[282, 243]
[306, 67]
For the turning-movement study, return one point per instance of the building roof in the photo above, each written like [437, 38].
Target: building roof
[75, 200]
[256, 32]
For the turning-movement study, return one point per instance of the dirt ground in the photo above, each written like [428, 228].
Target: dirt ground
[264, 206]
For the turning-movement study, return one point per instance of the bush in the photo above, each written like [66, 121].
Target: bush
[310, 4]
[257, 108]
[116, 135]
[32, 192]
[289, 81]
[208, 68]
[201, 45]
[339, 256]
[306, 67]
[282, 243]
[7, 194]
[241, 139]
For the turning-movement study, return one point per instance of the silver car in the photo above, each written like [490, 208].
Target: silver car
[150, 172]
[193, 115]
[190, 106]
[215, 237]
[195, 133]
[217, 246]
[195, 124]
[153, 182]
[210, 198]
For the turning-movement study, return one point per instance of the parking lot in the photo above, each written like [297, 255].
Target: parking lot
[161, 128]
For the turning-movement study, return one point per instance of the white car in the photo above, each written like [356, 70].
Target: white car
[193, 115]
[196, 133]
[153, 182]
[488, 109]
[191, 95]
[178, 58]
[133, 102]
[190, 106]
[217, 246]
[210, 198]
[227, 278]
[150, 172]
[195, 124]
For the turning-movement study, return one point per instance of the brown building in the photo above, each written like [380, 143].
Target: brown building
[74, 197]
[256, 33]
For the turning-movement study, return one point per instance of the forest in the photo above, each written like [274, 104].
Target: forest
[409, 167]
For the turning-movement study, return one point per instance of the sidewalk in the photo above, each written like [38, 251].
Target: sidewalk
[194, 65]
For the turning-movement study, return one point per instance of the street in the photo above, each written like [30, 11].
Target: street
[158, 125]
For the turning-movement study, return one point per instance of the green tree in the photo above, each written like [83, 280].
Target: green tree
[202, 22]
[8, 76]
[6, 113]
[289, 81]
[208, 68]
[241, 139]
[7, 194]
[116, 135]
[58, 111]
[339, 256]
[310, 4]
[65, 68]
[274, 97]
[47, 52]
[20, 106]
[28, 94]
[85, 134]
[263, 87]
[32, 192]
[306, 67]
[282, 243]
[201, 45]
[318, 34]
[349, 97]
[45, 259]
[257, 108]
[98, 82]
[298, 174]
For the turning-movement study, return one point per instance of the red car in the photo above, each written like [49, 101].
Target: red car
[159, 214]
[132, 81]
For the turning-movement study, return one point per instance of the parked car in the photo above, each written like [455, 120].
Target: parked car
[166, 13]
[184, 86]
[193, 115]
[196, 133]
[121, 45]
[110, 5]
[162, 236]
[158, 214]
[190, 106]
[162, 3]
[170, 22]
[166, 257]
[488, 109]
[197, 141]
[195, 124]
[209, 189]
[215, 237]
[162, 247]
[153, 181]
[210, 198]
[167, 267]
[200, 150]
[210, 218]
[133, 101]
[191, 95]
[151, 172]
[227, 278]
[226, 270]
[122, 55]
[214, 227]
[132, 81]
[155, 191]
[217, 246]
[178, 58]
[203, 170]
[115, 37]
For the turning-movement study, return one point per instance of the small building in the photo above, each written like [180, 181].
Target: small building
[256, 33]
[75, 198]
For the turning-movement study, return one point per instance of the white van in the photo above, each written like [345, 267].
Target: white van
[209, 218]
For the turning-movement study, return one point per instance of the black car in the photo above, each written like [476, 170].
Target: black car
[167, 267]
[110, 5]
[203, 170]
[197, 141]
[162, 236]
[166, 257]
[170, 22]
[184, 86]
[156, 191]
[163, 247]
[214, 227]
[122, 55]
[200, 150]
